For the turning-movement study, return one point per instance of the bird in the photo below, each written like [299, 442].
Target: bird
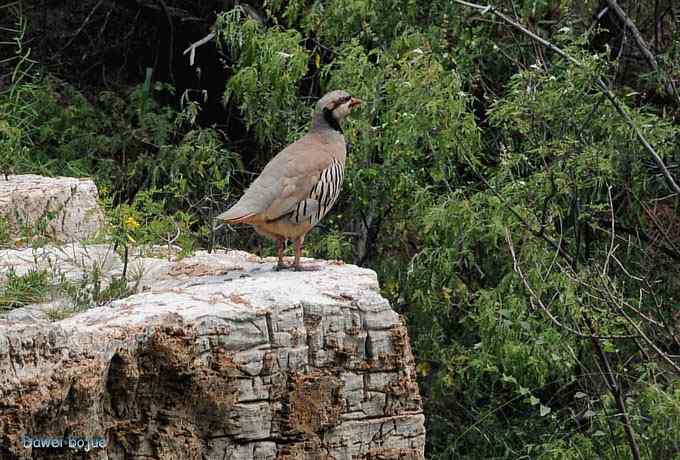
[298, 187]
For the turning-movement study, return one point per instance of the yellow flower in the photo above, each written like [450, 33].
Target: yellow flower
[131, 223]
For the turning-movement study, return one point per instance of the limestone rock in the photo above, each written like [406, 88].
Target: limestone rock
[222, 357]
[71, 260]
[67, 207]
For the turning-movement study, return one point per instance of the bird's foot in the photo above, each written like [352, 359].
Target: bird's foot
[298, 267]
[307, 268]
[281, 266]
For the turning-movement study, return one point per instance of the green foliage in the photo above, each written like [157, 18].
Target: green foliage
[268, 65]
[59, 132]
[20, 290]
[92, 290]
[19, 232]
[146, 222]
[66, 134]
[332, 246]
[40, 285]
[13, 113]
[5, 235]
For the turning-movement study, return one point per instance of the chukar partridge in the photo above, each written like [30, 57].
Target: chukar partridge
[300, 184]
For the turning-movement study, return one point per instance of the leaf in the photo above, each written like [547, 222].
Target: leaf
[544, 410]
[533, 400]
[580, 395]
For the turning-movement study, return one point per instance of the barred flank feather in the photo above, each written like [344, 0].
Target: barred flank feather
[322, 197]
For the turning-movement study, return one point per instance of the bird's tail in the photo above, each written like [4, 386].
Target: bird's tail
[235, 216]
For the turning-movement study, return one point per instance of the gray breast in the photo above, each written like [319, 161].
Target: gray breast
[322, 197]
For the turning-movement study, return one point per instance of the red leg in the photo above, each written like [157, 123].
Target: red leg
[298, 253]
[279, 250]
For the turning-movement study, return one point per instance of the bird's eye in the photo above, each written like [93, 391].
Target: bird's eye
[340, 101]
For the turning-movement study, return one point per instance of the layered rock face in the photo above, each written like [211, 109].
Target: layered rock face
[64, 208]
[221, 358]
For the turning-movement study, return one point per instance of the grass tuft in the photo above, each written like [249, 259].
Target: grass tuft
[22, 290]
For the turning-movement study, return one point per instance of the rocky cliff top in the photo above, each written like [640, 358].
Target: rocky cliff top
[219, 356]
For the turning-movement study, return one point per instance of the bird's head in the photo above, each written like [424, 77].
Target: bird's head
[337, 104]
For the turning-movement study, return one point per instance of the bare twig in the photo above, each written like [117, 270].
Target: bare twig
[171, 50]
[615, 390]
[625, 270]
[171, 240]
[658, 225]
[543, 307]
[557, 246]
[675, 255]
[598, 81]
[192, 48]
[612, 248]
[10, 4]
[106, 22]
[614, 301]
[82, 26]
[636, 33]
[177, 13]
[642, 45]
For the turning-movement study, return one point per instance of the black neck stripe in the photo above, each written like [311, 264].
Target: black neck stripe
[330, 119]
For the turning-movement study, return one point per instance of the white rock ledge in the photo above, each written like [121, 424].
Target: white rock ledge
[67, 205]
[222, 358]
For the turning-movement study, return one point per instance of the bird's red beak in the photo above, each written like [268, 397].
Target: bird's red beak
[354, 102]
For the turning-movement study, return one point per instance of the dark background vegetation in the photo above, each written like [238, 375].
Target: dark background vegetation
[513, 216]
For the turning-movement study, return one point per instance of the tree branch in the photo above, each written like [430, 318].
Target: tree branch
[636, 33]
[637, 328]
[557, 246]
[543, 307]
[193, 46]
[615, 390]
[598, 81]
[82, 26]
[642, 45]
[639, 234]
[171, 47]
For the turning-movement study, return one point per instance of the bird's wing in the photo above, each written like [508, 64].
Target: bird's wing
[286, 180]
[306, 162]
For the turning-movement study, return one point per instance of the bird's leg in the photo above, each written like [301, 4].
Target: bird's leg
[298, 252]
[280, 242]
